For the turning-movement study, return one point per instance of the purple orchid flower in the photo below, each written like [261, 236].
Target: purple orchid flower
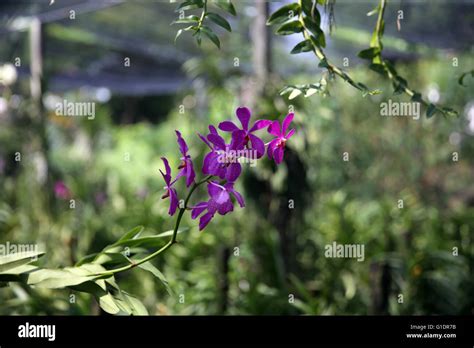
[222, 161]
[170, 191]
[219, 202]
[186, 165]
[244, 114]
[276, 147]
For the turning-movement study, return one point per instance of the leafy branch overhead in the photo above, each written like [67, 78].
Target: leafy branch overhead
[304, 18]
[386, 69]
[199, 25]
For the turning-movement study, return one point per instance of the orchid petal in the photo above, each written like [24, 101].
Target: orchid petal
[212, 129]
[257, 145]
[238, 140]
[228, 126]
[286, 122]
[198, 209]
[174, 202]
[259, 125]
[271, 147]
[243, 114]
[217, 140]
[204, 221]
[278, 154]
[183, 147]
[190, 174]
[205, 140]
[274, 128]
[290, 134]
[225, 207]
[233, 172]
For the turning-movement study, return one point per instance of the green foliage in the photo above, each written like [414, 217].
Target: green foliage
[304, 17]
[198, 26]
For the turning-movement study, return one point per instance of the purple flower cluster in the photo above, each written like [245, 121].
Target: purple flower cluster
[223, 162]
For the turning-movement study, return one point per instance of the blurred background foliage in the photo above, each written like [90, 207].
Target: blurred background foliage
[266, 258]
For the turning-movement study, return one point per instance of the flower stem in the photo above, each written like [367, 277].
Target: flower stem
[167, 245]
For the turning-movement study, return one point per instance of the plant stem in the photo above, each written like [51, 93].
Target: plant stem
[203, 14]
[322, 56]
[170, 242]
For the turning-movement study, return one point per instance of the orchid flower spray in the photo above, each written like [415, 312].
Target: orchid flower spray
[222, 164]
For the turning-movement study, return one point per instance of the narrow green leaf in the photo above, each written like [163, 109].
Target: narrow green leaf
[14, 260]
[213, 37]
[187, 20]
[369, 53]
[379, 68]
[190, 5]
[133, 233]
[303, 46]
[290, 28]
[180, 31]
[417, 97]
[219, 20]
[294, 94]
[135, 304]
[284, 14]
[374, 11]
[310, 9]
[227, 6]
[148, 266]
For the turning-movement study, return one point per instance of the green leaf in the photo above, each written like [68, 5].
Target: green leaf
[319, 40]
[374, 11]
[312, 11]
[136, 306]
[170, 232]
[190, 5]
[303, 46]
[20, 270]
[14, 260]
[55, 279]
[227, 6]
[379, 68]
[311, 91]
[148, 242]
[210, 34]
[96, 288]
[284, 14]
[186, 20]
[417, 97]
[323, 63]
[369, 53]
[110, 259]
[294, 94]
[180, 31]
[133, 233]
[312, 26]
[219, 20]
[148, 266]
[290, 28]
[61, 278]
[286, 90]
[431, 110]
[108, 304]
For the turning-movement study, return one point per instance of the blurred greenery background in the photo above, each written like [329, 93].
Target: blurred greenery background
[266, 258]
